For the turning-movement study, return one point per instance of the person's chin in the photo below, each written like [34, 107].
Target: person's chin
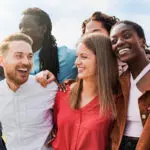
[22, 80]
[81, 76]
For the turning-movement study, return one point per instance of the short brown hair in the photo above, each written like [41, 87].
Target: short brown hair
[4, 45]
[106, 20]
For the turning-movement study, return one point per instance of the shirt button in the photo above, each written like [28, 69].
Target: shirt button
[143, 116]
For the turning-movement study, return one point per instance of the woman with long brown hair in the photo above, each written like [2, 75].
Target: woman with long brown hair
[83, 114]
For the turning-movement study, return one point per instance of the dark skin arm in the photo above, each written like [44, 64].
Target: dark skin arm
[45, 77]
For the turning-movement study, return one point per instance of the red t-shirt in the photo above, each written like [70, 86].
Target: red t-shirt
[79, 129]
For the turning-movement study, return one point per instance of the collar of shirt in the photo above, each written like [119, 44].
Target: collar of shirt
[36, 63]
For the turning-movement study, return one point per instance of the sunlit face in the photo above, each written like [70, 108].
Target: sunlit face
[85, 62]
[125, 42]
[17, 62]
[29, 25]
[96, 26]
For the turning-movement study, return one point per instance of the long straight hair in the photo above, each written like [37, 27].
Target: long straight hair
[107, 73]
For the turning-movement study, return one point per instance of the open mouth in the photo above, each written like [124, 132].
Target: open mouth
[123, 51]
[23, 71]
[80, 70]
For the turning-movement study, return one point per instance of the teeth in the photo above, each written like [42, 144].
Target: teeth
[80, 69]
[23, 69]
[123, 51]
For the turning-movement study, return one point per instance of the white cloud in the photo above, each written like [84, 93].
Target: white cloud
[88, 4]
[67, 32]
[53, 3]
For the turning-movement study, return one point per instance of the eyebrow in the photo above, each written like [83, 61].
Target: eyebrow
[18, 52]
[94, 30]
[23, 53]
[126, 30]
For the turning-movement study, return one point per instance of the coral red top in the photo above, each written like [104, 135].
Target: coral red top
[79, 129]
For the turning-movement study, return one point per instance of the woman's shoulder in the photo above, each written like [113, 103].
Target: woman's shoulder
[72, 85]
[62, 94]
[65, 94]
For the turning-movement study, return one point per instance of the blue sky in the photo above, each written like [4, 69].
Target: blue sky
[68, 15]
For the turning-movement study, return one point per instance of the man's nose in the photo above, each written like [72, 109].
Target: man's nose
[24, 30]
[25, 60]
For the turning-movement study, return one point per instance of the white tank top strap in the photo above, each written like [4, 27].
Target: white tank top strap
[142, 73]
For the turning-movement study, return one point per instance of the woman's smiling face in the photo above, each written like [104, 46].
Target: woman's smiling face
[85, 62]
[125, 42]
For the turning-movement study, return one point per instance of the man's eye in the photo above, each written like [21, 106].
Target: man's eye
[30, 57]
[18, 56]
[28, 29]
[25, 28]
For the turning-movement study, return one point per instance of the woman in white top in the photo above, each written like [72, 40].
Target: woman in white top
[132, 128]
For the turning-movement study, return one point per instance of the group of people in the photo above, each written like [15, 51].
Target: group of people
[106, 102]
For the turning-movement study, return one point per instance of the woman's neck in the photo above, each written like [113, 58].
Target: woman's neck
[89, 92]
[138, 65]
[90, 87]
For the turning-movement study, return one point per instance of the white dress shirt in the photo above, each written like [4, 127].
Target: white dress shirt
[25, 114]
